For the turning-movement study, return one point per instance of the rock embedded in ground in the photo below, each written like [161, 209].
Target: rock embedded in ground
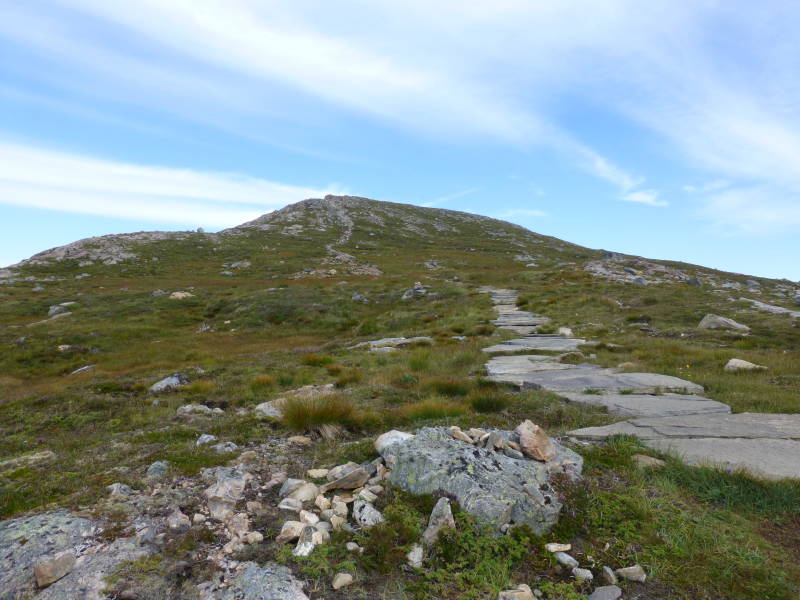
[177, 521]
[647, 462]
[565, 559]
[228, 489]
[556, 547]
[342, 580]
[206, 438]
[606, 592]
[711, 321]
[582, 575]
[737, 364]
[633, 573]
[608, 576]
[522, 592]
[157, 469]
[556, 344]
[415, 556]
[268, 582]
[441, 517]
[494, 488]
[169, 383]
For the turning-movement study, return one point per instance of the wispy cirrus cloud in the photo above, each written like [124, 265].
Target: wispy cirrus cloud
[517, 213]
[66, 182]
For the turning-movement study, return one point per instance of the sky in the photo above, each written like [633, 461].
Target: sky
[666, 129]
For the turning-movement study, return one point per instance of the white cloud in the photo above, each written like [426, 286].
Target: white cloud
[757, 210]
[649, 197]
[67, 182]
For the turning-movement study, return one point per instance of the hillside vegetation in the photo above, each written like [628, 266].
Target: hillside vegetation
[280, 302]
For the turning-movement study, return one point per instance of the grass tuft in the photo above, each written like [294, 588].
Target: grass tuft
[304, 414]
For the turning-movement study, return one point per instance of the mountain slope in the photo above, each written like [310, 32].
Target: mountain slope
[250, 314]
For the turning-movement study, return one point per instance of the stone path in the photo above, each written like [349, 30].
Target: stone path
[670, 414]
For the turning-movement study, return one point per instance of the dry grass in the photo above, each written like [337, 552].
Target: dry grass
[305, 414]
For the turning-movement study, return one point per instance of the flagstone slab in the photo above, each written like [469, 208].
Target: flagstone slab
[591, 377]
[555, 344]
[650, 405]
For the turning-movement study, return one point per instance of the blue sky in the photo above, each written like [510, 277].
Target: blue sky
[667, 129]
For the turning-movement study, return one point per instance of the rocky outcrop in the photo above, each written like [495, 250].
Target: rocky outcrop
[54, 556]
[497, 489]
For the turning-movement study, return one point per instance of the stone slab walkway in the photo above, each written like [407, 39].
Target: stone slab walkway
[670, 414]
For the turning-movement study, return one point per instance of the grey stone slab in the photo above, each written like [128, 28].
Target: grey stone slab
[556, 344]
[591, 377]
[767, 458]
[521, 364]
[740, 425]
[520, 329]
[649, 405]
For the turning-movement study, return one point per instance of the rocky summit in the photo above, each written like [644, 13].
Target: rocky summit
[348, 398]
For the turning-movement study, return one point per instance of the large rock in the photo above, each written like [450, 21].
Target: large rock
[775, 310]
[87, 580]
[270, 582]
[495, 488]
[711, 321]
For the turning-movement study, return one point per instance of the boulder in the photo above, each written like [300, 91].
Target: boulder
[268, 582]
[496, 489]
[634, 573]
[168, 384]
[711, 321]
[522, 592]
[737, 364]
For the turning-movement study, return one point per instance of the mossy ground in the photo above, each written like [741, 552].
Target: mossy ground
[700, 533]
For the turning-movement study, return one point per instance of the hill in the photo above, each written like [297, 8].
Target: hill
[264, 310]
